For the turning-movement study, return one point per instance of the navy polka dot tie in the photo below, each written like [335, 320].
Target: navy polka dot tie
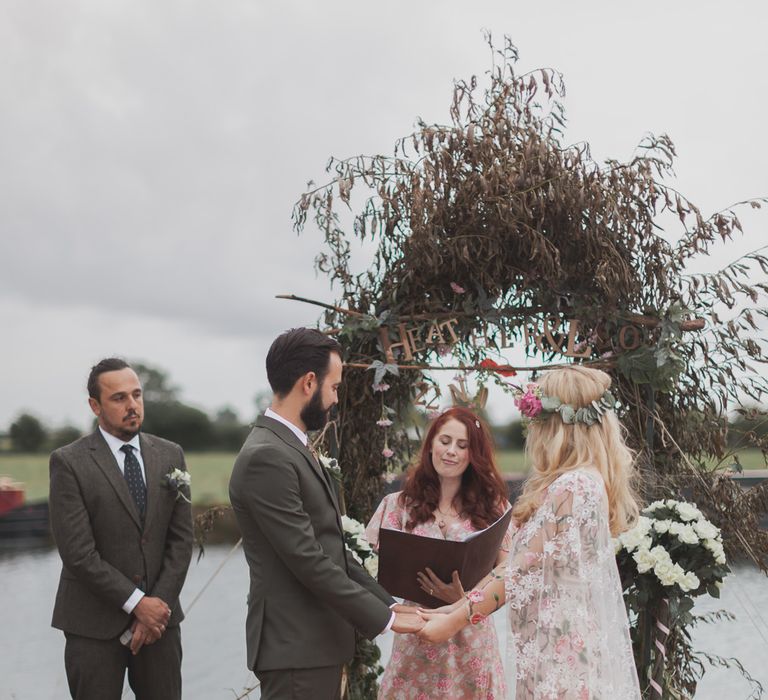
[132, 473]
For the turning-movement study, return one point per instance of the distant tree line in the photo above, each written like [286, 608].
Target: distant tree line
[164, 415]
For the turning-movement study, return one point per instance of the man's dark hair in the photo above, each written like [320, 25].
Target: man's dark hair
[296, 352]
[109, 364]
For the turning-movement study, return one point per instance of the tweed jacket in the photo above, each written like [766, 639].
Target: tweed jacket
[307, 594]
[107, 550]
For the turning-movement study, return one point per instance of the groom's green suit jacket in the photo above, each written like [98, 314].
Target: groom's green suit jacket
[307, 594]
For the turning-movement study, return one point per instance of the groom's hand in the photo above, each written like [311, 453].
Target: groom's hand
[142, 636]
[154, 613]
[407, 622]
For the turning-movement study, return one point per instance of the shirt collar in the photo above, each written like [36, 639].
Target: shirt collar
[298, 432]
[115, 443]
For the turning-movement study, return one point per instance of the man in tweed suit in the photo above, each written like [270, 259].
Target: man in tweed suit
[124, 534]
[307, 595]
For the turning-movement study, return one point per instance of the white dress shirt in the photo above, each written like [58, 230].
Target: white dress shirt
[299, 433]
[114, 444]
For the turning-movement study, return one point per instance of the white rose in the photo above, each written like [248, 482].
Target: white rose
[351, 525]
[661, 526]
[670, 503]
[687, 535]
[631, 539]
[644, 524]
[666, 573]
[653, 506]
[689, 582]
[644, 559]
[688, 511]
[372, 566]
[661, 555]
[717, 550]
[706, 530]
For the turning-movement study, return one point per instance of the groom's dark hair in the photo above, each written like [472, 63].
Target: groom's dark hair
[296, 352]
[109, 364]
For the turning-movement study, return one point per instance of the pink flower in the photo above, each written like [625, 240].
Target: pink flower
[476, 619]
[431, 653]
[452, 648]
[571, 661]
[387, 452]
[490, 696]
[444, 685]
[432, 414]
[384, 423]
[382, 386]
[481, 681]
[476, 596]
[457, 288]
[397, 682]
[577, 642]
[393, 519]
[607, 354]
[475, 663]
[561, 645]
[529, 405]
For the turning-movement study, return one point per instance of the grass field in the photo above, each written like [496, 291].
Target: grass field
[210, 471]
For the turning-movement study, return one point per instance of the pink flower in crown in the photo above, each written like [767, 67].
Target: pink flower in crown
[382, 386]
[431, 653]
[529, 404]
[444, 685]
[457, 288]
[384, 423]
[577, 642]
[476, 596]
[387, 452]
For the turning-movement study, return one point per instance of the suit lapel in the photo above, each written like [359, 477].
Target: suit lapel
[285, 434]
[105, 460]
[153, 471]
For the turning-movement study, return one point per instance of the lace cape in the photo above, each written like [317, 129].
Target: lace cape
[568, 628]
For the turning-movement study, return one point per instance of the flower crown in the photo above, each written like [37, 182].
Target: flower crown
[533, 402]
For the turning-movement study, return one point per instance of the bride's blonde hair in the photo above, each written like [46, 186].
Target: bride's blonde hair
[554, 447]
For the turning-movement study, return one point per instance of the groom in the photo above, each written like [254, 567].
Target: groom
[307, 594]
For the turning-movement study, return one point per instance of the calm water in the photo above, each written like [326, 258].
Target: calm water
[31, 652]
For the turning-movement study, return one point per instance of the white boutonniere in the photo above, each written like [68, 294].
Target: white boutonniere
[179, 480]
[331, 466]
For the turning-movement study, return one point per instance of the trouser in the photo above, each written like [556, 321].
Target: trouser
[323, 683]
[96, 668]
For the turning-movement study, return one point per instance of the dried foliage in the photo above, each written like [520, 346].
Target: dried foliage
[493, 218]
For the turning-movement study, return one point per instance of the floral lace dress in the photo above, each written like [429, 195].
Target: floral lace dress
[466, 667]
[569, 634]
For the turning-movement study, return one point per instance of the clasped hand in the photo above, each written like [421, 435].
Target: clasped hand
[152, 615]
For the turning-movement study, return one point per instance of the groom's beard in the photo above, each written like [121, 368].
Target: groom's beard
[314, 415]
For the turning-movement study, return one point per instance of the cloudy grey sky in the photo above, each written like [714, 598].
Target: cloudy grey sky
[151, 150]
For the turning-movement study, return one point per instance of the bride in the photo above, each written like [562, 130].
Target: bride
[569, 632]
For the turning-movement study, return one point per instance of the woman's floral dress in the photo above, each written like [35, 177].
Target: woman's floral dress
[569, 634]
[466, 667]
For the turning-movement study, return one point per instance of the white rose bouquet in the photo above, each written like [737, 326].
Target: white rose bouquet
[357, 545]
[672, 553]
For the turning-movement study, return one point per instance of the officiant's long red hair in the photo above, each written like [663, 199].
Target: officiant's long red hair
[483, 491]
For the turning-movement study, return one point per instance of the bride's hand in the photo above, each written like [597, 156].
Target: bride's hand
[444, 609]
[441, 626]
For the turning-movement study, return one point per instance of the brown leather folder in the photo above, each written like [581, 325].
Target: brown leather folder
[402, 555]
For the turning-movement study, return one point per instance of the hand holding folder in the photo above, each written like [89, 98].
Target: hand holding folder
[402, 555]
